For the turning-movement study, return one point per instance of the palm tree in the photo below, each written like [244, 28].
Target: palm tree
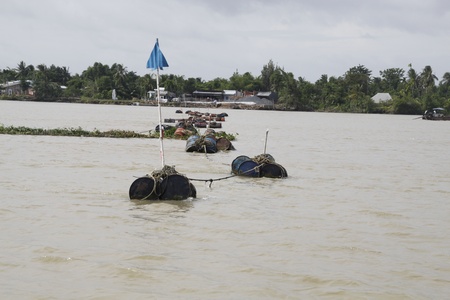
[444, 85]
[63, 75]
[23, 73]
[119, 74]
[428, 79]
[146, 84]
[413, 83]
[446, 79]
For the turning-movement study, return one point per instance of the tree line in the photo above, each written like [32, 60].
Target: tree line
[412, 92]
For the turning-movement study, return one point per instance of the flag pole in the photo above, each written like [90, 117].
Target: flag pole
[161, 130]
[158, 61]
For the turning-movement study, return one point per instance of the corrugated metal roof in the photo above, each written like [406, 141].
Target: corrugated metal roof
[380, 97]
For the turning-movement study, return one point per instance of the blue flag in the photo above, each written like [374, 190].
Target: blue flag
[157, 59]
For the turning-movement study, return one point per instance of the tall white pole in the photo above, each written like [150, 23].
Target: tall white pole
[265, 142]
[161, 130]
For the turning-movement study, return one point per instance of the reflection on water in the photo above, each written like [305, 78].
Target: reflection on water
[363, 213]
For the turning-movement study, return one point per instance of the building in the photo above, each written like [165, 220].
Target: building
[268, 95]
[208, 95]
[164, 95]
[381, 97]
[231, 95]
[11, 88]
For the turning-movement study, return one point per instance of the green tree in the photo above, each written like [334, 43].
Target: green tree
[266, 73]
[428, 88]
[74, 86]
[24, 73]
[412, 87]
[288, 90]
[62, 75]
[145, 84]
[192, 84]
[7, 75]
[94, 86]
[44, 87]
[329, 93]
[391, 79]
[307, 95]
[119, 82]
[357, 80]
[444, 86]
[244, 82]
[217, 84]
[428, 79]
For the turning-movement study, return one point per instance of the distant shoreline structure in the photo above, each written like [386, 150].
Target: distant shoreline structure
[136, 102]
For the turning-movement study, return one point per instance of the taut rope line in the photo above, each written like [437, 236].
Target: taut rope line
[226, 177]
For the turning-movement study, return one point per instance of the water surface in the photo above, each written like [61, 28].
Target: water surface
[364, 213]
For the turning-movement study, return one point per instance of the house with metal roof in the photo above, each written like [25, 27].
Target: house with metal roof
[381, 97]
[230, 95]
[208, 95]
[15, 88]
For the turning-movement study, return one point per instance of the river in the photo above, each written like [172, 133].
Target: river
[364, 213]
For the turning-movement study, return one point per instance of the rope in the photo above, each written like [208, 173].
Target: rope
[164, 172]
[154, 188]
[212, 180]
[263, 159]
[159, 175]
[226, 177]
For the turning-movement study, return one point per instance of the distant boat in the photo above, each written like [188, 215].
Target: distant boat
[436, 114]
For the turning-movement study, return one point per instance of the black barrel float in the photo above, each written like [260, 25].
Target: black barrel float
[210, 145]
[196, 143]
[224, 144]
[176, 187]
[144, 188]
[191, 145]
[273, 170]
[165, 184]
[245, 166]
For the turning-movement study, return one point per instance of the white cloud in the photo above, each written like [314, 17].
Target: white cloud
[214, 38]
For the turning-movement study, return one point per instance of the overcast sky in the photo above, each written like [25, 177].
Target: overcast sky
[215, 38]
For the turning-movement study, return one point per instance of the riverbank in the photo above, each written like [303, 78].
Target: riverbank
[137, 102]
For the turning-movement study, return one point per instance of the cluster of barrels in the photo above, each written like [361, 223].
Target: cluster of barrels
[188, 127]
[199, 120]
[206, 120]
[165, 184]
[207, 116]
[208, 143]
[262, 165]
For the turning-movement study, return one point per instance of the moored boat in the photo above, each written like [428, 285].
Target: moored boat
[435, 114]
